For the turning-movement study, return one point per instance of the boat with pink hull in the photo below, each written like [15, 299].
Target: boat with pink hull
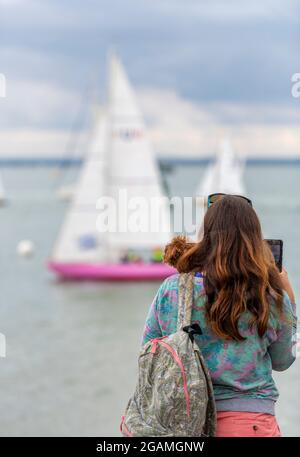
[113, 272]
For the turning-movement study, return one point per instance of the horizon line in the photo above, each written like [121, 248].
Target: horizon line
[163, 161]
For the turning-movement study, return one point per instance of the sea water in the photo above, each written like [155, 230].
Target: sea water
[71, 348]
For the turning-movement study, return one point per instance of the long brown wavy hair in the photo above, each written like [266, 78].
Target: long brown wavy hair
[239, 270]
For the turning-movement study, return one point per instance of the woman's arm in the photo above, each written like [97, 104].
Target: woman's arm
[286, 285]
[162, 316]
[283, 350]
[152, 328]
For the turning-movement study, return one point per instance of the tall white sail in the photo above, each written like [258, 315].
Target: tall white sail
[133, 170]
[225, 174]
[79, 239]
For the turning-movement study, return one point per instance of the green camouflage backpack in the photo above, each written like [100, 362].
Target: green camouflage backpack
[174, 393]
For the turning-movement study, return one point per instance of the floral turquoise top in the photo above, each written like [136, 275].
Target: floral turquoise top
[241, 371]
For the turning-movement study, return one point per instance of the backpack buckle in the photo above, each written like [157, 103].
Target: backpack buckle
[191, 330]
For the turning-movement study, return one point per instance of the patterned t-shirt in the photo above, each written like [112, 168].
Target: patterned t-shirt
[240, 370]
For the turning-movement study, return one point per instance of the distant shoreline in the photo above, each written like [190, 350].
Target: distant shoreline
[163, 161]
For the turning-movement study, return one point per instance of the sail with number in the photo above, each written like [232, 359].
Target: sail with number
[132, 170]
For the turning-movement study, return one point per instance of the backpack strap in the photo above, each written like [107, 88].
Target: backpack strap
[185, 299]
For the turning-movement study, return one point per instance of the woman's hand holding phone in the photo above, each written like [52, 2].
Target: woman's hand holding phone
[286, 285]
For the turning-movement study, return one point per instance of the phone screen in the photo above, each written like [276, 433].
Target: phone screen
[277, 250]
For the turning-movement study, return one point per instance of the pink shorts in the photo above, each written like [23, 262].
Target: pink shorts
[236, 423]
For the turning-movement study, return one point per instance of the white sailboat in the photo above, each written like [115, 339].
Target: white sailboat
[120, 160]
[224, 175]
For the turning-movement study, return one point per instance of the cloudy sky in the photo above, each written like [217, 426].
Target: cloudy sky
[202, 70]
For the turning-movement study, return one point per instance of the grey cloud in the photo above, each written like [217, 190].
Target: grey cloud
[231, 51]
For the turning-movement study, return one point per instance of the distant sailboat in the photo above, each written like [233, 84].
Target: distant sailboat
[120, 158]
[224, 175]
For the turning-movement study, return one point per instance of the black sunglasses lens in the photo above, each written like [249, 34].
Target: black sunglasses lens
[245, 198]
[213, 198]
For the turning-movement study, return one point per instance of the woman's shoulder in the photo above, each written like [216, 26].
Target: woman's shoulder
[172, 283]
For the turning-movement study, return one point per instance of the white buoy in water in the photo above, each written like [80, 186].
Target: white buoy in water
[25, 248]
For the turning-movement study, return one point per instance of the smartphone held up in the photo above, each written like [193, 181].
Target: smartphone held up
[276, 247]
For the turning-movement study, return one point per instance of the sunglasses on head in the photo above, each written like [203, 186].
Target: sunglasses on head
[213, 198]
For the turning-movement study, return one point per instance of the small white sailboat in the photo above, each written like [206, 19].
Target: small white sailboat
[224, 175]
[120, 158]
[2, 193]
